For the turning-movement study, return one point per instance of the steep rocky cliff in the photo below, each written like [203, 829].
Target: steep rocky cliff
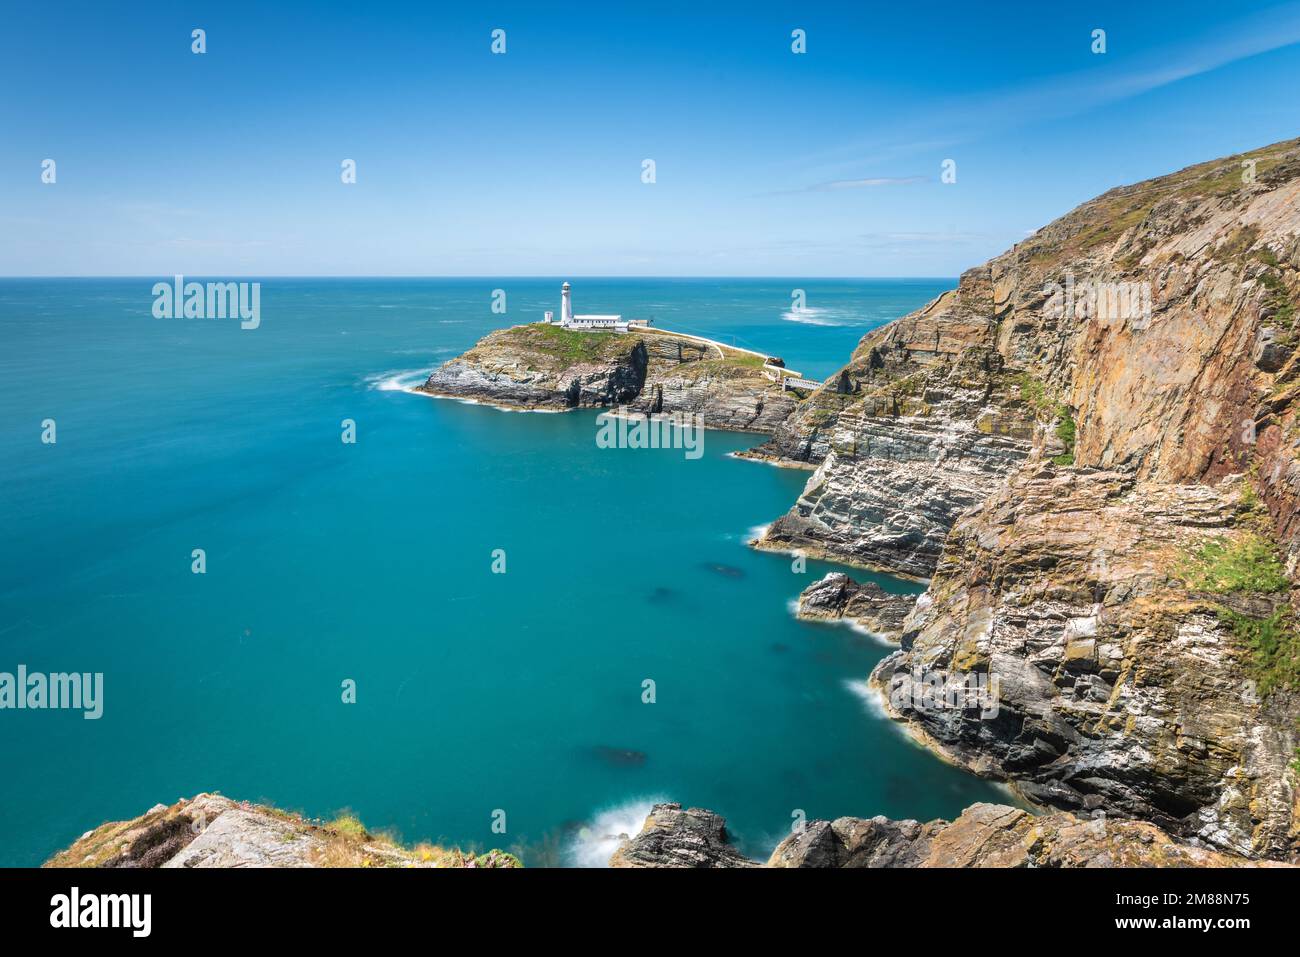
[1104, 420]
[541, 366]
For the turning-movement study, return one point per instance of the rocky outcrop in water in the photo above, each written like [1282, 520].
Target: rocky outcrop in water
[837, 597]
[542, 366]
[985, 835]
[672, 837]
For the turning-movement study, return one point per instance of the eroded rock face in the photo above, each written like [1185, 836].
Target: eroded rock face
[544, 367]
[838, 597]
[673, 837]
[1116, 688]
[991, 835]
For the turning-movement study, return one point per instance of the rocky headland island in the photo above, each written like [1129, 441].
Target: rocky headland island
[1088, 449]
[543, 367]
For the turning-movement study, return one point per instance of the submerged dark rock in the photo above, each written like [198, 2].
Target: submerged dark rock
[620, 757]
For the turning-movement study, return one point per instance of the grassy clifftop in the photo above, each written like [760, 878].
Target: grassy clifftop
[213, 831]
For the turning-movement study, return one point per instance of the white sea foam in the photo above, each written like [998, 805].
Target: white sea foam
[598, 839]
[869, 696]
[812, 316]
[757, 532]
[499, 408]
[873, 702]
[397, 380]
[774, 463]
[793, 606]
[854, 626]
[877, 638]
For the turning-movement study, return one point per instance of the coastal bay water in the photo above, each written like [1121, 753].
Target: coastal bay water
[475, 692]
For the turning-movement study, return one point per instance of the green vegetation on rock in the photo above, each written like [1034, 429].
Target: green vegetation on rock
[1273, 644]
[1278, 296]
[1035, 395]
[1249, 563]
[1065, 432]
[348, 826]
[1245, 566]
[570, 345]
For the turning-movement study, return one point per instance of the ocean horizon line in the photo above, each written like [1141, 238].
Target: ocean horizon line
[467, 277]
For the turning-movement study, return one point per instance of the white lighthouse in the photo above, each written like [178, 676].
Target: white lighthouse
[566, 306]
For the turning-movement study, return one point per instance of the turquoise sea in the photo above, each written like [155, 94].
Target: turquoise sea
[476, 692]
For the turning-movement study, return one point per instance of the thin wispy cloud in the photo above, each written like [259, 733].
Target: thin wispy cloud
[865, 183]
[870, 182]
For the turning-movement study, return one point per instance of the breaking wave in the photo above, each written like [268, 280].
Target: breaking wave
[396, 380]
[596, 840]
[812, 316]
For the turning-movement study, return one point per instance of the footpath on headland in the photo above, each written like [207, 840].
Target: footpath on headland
[788, 378]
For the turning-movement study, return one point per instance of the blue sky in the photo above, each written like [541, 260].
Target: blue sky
[768, 163]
